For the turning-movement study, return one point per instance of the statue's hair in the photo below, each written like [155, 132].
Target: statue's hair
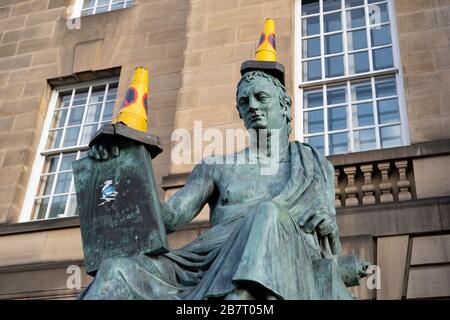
[283, 97]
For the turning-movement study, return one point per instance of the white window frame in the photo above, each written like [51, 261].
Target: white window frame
[78, 6]
[300, 86]
[26, 213]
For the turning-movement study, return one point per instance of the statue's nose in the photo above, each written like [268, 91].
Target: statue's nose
[253, 105]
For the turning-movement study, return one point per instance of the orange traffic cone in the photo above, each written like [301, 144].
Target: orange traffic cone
[133, 112]
[266, 50]
[266, 54]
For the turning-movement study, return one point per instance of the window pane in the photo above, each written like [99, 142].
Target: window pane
[385, 87]
[312, 99]
[54, 139]
[358, 62]
[80, 97]
[337, 119]
[76, 116]
[65, 99]
[311, 47]
[361, 91]
[381, 35]
[108, 111]
[330, 5]
[59, 118]
[353, 3]
[338, 143]
[129, 3]
[58, 206]
[391, 136]
[46, 184]
[310, 7]
[382, 59]
[101, 9]
[112, 92]
[317, 142]
[333, 43]
[72, 210]
[365, 140]
[97, 94]
[356, 18]
[88, 133]
[102, 2]
[63, 182]
[357, 40]
[71, 137]
[363, 115]
[118, 5]
[334, 66]
[311, 26]
[313, 122]
[88, 3]
[40, 208]
[93, 113]
[66, 162]
[336, 95]
[312, 70]
[378, 13]
[332, 22]
[388, 111]
[51, 164]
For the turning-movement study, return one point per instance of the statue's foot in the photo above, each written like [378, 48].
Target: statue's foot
[240, 294]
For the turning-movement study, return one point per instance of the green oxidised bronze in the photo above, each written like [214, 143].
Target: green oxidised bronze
[272, 236]
[119, 209]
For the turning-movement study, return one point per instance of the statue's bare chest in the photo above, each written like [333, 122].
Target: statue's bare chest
[249, 182]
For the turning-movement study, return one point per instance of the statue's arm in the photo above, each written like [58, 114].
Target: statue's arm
[333, 236]
[187, 202]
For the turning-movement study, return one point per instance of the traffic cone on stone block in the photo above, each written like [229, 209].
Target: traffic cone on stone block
[266, 54]
[134, 108]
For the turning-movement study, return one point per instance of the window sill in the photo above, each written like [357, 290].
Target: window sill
[40, 225]
[425, 149]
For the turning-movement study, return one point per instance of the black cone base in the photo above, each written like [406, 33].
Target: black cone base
[273, 68]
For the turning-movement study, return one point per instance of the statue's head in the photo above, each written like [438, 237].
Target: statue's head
[262, 102]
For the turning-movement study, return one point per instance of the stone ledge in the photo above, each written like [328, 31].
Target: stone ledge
[39, 225]
[63, 223]
[420, 150]
[393, 206]
[415, 217]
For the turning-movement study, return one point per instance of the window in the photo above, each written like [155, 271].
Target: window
[75, 114]
[91, 7]
[348, 74]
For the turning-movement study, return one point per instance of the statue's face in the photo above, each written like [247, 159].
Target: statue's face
[259, 106]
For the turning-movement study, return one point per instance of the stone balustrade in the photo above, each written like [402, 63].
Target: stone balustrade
[374, 183]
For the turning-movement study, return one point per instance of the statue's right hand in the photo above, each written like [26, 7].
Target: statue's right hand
[102, 152]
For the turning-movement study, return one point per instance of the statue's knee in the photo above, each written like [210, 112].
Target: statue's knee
[113, 265]
[268, 209]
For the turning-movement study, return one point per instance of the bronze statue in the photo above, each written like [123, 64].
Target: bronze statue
[270, 235]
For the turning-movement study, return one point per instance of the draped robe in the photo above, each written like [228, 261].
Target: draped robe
[259, 241]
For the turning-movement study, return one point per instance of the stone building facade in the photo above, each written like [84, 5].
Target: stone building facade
[393, 204]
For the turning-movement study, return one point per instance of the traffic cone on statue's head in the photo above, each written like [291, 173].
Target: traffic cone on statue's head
[266, 54]
[267, 49]
[134, 108]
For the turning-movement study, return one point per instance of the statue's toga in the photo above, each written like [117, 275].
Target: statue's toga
[266, 229]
